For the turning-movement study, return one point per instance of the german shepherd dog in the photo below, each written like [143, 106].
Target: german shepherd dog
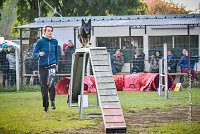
[84, 33]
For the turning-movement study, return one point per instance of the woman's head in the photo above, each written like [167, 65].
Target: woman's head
[184, 51]
[157, 53]
[138, 50]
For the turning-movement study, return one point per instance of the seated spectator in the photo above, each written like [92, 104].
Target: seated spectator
[154, 62]
[138, 61]
[183, 52]
[185, 66]
[171, 63]
[117, 61]
[12, 67]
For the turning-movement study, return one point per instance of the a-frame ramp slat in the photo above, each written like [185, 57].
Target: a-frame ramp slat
[109, 102]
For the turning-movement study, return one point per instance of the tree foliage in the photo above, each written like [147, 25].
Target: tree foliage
[8, 17]
[163, 7]
[28, 9]
[1, 6]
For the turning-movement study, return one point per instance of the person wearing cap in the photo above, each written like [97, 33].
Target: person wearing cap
[46, 51]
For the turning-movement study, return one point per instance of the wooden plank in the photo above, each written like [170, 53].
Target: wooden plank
[114, 119]
[97, 48]
[102, 58]
[98, 52]
[109, 98]
[107, 92]
[102, 74]
[104, 106]
[105, 85]
[117, 111]
[107, 89]
[115, 125]
[110, 102]
[104, 79]
[95, 63]
[102, 68]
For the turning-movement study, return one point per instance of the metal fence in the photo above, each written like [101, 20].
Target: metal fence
[11, 68]
[14, 74]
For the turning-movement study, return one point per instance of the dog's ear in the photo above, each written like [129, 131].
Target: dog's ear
[89, 22]
[83, 22]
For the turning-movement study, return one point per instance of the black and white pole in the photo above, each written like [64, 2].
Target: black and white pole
[190, 80]
[160, 77]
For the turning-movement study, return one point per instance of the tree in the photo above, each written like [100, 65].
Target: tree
[1, 6]
[28, 9]
[8, 17]
[163, 7]
[98, 7]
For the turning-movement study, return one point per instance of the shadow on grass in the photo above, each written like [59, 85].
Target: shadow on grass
[30, 88]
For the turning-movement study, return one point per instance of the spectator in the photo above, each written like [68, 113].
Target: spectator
[171, 63]
[183, 52]
[185, 66]
[117, 61]
[154, 62]
[34, 44]
[12, 67]
[68, 49]
[138, 61]
[31, 65]
[4, 65]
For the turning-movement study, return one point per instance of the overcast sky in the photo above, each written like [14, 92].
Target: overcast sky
[189, 4]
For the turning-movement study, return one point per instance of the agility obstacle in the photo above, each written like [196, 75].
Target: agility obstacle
[107, 96]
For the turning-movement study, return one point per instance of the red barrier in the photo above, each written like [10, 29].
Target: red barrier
[132, 82]
[119, 82]
[193, 73]
[89, 83]
[62, 85]
[145, 82]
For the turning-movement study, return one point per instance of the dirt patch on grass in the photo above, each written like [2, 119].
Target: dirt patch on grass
[136, 120]
[156, 116]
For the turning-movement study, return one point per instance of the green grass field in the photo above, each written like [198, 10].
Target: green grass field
[145, 112]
